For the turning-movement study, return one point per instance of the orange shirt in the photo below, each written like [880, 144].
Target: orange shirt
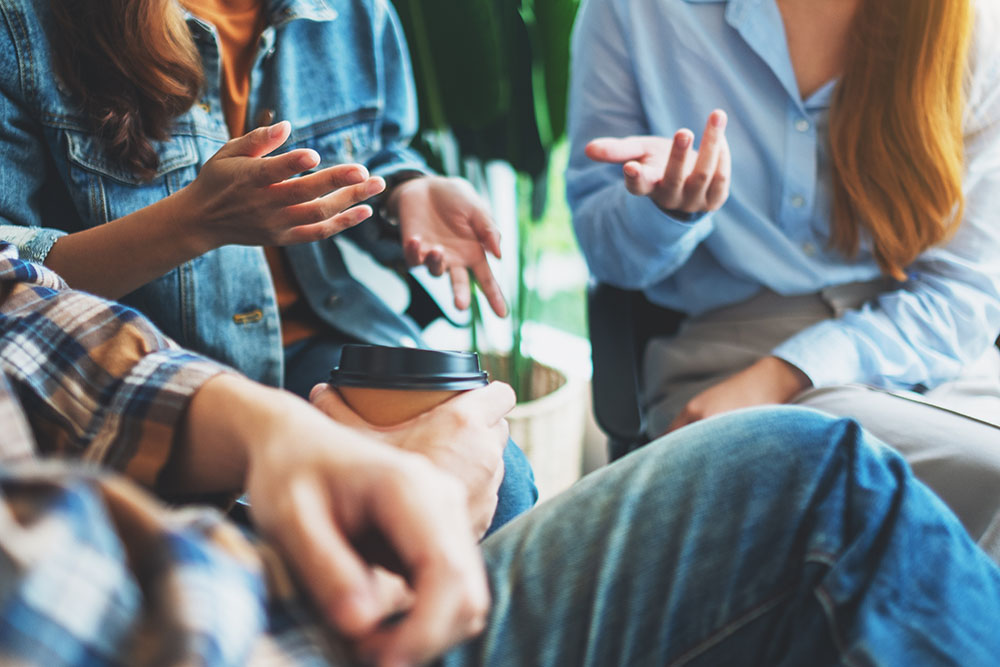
[239, 24]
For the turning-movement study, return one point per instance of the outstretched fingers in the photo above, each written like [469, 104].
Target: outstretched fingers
[718, 189]
[320, 183]
[258, 142]
[670, 189]
[487, 232]
[327, 215]
[696, 185]
[618, 150]
[490, 287]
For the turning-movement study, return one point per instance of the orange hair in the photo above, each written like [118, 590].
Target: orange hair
[896, 129]
[133, 67]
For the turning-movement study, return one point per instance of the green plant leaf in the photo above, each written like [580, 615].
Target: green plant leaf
[460, 59]
[554, 25]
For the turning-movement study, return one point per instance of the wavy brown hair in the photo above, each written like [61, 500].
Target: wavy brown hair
[896, 129]
[133, 68]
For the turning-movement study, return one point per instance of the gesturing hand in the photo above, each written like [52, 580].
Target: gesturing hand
[464, 436]
[669, 171]
[447, 227]
[243, 197]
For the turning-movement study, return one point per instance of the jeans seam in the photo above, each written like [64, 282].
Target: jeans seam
[826, 602]
[732, 626]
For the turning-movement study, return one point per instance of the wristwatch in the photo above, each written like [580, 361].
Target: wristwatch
[381, 205]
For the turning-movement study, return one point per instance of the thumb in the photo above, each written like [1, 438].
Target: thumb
[258, 142]
[329, 402]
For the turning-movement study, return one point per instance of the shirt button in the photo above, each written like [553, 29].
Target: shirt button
[265, 117]
[332, 299]
[798, 201]
[809, 249]
[802, 125]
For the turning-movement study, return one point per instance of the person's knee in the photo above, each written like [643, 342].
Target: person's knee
[784, 438]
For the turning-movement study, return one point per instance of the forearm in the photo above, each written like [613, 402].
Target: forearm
[231, 422]
[224, 419]
[116, 258]
[627, 240]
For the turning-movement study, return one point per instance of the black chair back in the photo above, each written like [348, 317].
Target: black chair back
[621, 323]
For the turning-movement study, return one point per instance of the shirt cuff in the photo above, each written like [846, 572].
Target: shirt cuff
[33, 243]
[826, 353]
[685, 216]
[658, 241]
[152, 400]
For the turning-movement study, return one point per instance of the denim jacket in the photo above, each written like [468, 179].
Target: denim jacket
[338, 70]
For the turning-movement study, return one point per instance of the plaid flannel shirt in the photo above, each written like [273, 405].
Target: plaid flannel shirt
[93, 570]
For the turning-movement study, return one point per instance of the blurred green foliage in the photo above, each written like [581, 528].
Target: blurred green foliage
[494, 73]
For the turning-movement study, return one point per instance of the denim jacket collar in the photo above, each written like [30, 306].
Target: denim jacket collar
[282, 11]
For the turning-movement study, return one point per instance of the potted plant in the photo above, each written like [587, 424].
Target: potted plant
[492, 79]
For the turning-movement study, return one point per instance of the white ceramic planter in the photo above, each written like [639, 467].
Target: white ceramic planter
[550, 428]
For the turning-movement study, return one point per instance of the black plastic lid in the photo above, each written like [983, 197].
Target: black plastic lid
[381, 367]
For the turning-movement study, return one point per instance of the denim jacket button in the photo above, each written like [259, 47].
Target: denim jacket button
[332, 300]
[265, 117]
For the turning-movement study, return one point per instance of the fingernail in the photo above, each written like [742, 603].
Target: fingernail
[376, 185]
[276, 129]
[309, 160]
[317, 390]
[683, 139]
[718, 119]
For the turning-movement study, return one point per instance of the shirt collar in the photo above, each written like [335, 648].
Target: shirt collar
[759, 23]
[315, 10]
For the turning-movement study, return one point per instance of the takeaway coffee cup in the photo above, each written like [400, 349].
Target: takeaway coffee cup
[388, 385]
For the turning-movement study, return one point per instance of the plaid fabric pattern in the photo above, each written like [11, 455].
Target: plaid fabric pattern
[93, 570]
[97, 380]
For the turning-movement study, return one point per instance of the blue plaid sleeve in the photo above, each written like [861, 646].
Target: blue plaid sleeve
[99, 381]
[95, 572]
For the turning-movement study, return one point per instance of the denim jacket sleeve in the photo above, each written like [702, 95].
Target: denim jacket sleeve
[397, 126]
[25, 157]
[399, 120]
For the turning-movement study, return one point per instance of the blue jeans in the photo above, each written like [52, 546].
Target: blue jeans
[763, 537]
[309, 361]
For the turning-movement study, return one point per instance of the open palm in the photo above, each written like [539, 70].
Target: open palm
[447, 227]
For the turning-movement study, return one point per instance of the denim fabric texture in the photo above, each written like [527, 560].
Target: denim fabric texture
[773, 536]
[339, 71]
[309, 361]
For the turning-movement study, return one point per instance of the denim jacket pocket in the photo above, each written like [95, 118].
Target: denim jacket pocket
[104, 189]
[348, 138]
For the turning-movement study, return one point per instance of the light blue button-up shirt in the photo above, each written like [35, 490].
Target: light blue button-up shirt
[654, 66]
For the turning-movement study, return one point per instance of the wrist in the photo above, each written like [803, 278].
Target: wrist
[187, 219]
[789, 379]
[395, 184]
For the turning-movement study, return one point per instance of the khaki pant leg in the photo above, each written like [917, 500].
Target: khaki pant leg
[956, 455]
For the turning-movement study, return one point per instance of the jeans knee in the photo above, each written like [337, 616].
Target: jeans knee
[783, 438]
